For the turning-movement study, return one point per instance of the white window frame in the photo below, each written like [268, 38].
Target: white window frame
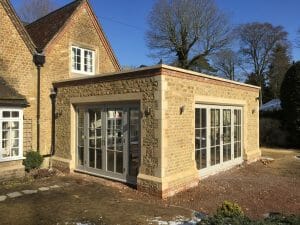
[213, 169]
[10, 119]
[82, 51]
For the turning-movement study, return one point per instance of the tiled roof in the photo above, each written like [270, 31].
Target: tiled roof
[44, 29]
[10, 97]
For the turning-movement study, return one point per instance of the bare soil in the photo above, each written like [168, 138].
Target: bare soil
[258, 188]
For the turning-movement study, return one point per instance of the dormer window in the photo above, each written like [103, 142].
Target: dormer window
[83, 60]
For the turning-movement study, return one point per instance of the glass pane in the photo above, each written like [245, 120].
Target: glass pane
[203, 138]
[15, 143]
[212, 137]
[203, 159]
[98, 142]
[197, 139]
[92, 143]
[134, 151]
[5, 135]
[15, 114]
[203, 118]
[15, 125]
[92, 157]
[239, 149]
[5, 125]
[217, 117]
[197, 157]
[197, 118]
[134, 160]
[15, 152]
[80, 155]
[110, 161]
[6, 114]
[92, 133]
[98, 159]
[119, 163]
[80, 137]
[235, 150]
[212, 156]
[218, 136]
[110, 143]
[226, 135]
[217, 154]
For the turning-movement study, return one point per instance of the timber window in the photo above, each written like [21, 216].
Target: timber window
[83, 60]
[11, 134]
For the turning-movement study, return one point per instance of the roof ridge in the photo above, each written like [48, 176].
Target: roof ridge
[54, 11]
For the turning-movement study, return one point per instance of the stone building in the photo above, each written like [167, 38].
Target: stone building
[161, 128]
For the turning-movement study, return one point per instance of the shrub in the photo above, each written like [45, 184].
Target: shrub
[231, 214]
[229, 209]
[33, 160]
[290, 103]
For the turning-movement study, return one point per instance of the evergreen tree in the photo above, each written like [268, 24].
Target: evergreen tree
[290, 102]
[279, 64]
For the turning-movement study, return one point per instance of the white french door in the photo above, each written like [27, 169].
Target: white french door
[108, 140]
[218, 137]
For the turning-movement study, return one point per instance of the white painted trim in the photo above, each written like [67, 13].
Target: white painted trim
[82, 50]
[210, 170]
[11, 119]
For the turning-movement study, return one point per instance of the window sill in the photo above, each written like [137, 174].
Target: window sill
[80, 73]
[12, 159]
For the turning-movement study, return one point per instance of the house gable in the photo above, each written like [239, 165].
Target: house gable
[48, 30]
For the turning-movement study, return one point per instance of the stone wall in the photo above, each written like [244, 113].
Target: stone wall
[18, 70]
[187, 89]
[167, 137]
[115, 88]
[80, 31]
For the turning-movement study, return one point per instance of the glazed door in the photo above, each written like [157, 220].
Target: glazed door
[218, 137]
[108, 141]
[115, 141]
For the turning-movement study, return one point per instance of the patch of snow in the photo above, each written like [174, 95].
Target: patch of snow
[44, 189]
[179, 220]
[273, 105]
[14, 194]
[3, 198]
[29, 192]
[54, 187]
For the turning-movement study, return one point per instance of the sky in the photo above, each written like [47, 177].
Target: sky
[125, 22]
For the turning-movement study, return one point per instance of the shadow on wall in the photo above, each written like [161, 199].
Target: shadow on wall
[3, 66]
[272, 133]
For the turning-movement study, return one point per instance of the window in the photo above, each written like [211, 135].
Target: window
[83, 60]
[11, 134]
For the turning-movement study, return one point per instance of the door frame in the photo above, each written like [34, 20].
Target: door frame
[104, 106]
[210, 170]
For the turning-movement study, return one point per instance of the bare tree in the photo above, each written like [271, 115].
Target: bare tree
[186, 32]
[257, 40]
[226, 62]
[298, 39]
[31, 10]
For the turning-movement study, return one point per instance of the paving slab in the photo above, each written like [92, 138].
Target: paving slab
[3, 198]
[29, 192]
[54, 186]
[14, 194]
[44, 189]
